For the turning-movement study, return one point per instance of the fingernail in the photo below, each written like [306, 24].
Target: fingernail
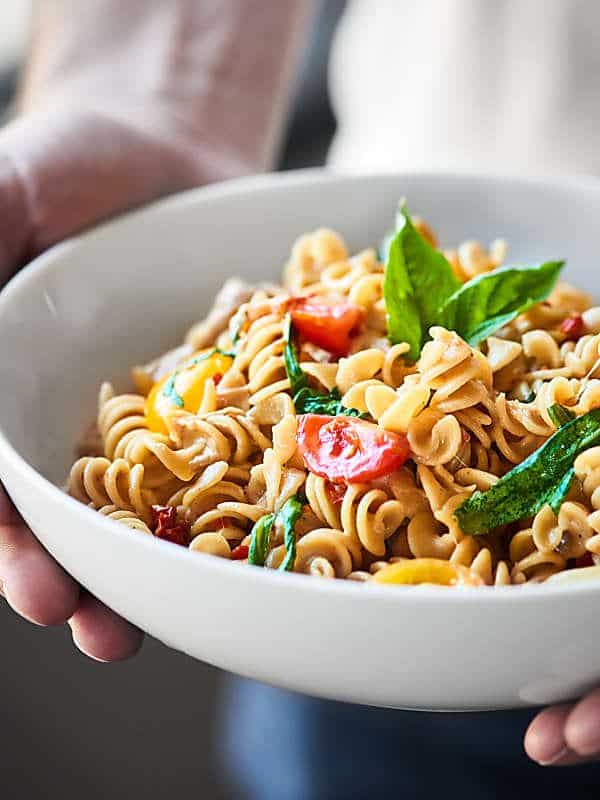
[548, 762]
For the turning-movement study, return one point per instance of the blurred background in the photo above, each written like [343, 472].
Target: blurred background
[70, 727]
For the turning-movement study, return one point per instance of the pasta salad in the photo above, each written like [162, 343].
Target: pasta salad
[403, 415]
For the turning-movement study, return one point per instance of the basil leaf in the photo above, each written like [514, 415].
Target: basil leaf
[209, 354]
[171, 392]
[556, 497]
[560, 415]
[295, 373]
[307, 400]
[260, 536]
[288, 515]
[418, 280]
[490, 301]
[544, 477]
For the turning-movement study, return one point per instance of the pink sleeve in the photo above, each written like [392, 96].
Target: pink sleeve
[223, 67]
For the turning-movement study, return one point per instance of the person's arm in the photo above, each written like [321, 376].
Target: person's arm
[123, 102]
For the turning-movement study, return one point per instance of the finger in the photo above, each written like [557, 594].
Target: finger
[582, 728]
[101, 634]
[545, 738]
[34, 585]
[548, 742]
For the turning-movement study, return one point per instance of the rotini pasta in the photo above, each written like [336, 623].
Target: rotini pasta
[289, 431]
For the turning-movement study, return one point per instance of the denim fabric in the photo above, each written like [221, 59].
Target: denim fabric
[281, 746]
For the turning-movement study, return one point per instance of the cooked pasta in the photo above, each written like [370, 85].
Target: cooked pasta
[298, 428]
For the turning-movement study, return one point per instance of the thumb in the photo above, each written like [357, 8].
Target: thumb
[65, 170]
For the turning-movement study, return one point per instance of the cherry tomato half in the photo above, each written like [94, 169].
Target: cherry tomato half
[349, 449]
[329, 326]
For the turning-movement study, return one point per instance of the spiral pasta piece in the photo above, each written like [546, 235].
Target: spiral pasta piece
[100, 482]
[118, 416]
[459, 375]
[529, 563]
[125, 517]
[369, 516]
[324, 552]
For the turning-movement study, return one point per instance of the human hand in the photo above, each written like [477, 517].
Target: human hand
[123, 104]
[566, 734]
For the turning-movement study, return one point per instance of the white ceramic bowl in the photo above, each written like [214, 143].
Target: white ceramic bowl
[90, 308]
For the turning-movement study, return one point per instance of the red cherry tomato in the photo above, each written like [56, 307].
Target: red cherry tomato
[348, 449]
[240, 552]
[573, 327]
[329, 326]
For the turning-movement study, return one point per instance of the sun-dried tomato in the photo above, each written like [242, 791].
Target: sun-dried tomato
[573, 327]
[166, 526]
[336, 492]
[584, 561]
[163, 515]
[225, 522]
[239, 553]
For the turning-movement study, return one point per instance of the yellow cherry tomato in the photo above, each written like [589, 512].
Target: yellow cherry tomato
[184, 388]
[427, 570]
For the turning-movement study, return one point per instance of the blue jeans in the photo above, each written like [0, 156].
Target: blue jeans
[281, 746]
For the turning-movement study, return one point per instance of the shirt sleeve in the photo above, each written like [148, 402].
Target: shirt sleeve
[224, 69]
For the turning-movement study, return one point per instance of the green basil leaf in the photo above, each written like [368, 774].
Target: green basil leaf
[171, 392]
[288, 515]
[260, 536]
[544, 477]
[209, 354]
[560, 415]
[418, 281]
[307, 400]
[558, 494]
[295, 373]
[488, 302]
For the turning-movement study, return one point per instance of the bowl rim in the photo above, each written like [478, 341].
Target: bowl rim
[51, 260]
